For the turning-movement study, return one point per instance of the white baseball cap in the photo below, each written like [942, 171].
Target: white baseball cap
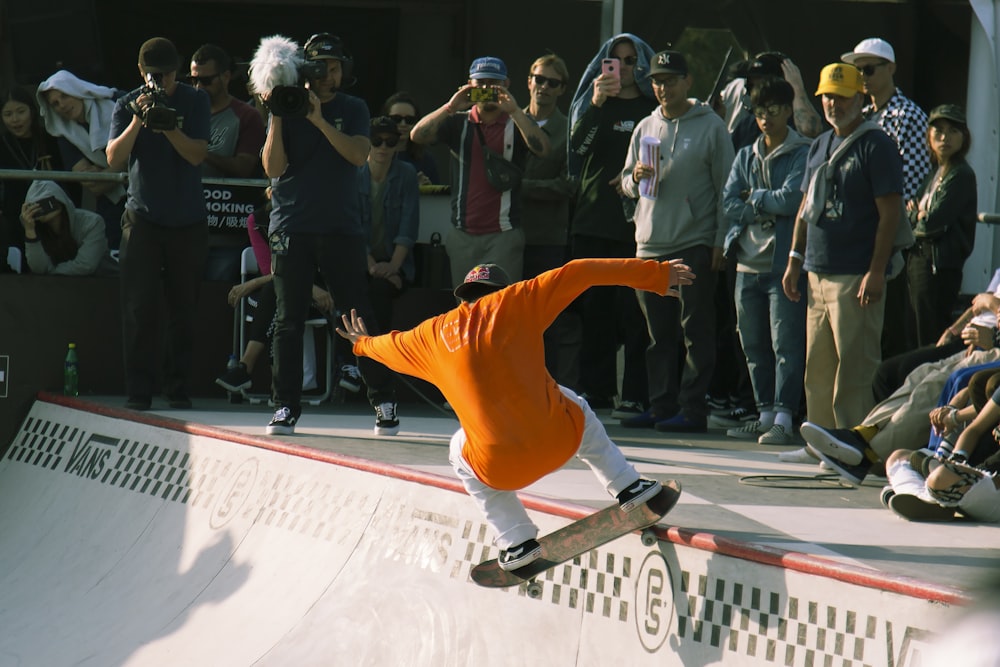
[871, 47]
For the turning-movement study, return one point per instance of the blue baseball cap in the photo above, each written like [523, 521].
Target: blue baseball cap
[488, 68]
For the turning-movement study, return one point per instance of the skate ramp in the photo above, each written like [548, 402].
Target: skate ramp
[163, 542]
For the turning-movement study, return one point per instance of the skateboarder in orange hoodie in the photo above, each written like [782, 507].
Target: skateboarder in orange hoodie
[487, 358]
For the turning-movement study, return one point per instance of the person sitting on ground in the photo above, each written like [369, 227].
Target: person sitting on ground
[487, 358]
[926, 486]
[78, 114]
[900, 422]
[60, 238]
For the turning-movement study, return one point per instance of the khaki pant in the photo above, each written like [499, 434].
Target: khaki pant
[903, 417]
[843, 349]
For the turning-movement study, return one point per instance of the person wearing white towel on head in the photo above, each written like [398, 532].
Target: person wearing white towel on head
[78, 114]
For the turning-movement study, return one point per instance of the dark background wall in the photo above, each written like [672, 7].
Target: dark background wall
[425, 45]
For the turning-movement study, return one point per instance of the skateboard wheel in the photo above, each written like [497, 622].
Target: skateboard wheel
[534, 590]
[649, 538]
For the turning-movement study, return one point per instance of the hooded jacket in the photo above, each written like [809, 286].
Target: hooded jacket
[585, 89]
[774, 182]
[87, 229]
[696, 155]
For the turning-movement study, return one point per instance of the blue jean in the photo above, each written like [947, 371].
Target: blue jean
[773, 332]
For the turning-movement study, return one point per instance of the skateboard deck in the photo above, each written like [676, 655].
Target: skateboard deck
[580, 537]
[913, 508]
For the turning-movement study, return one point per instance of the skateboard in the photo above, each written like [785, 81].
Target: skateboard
[580, 537]
[912, 508]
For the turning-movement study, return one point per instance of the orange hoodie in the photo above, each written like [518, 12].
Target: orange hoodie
[488, 360]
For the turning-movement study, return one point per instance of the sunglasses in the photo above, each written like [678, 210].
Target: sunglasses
[546, 81]
[771, 110]
[203, 80]
[391, 142]
[409, 120]
[868, 70]
[630, 60]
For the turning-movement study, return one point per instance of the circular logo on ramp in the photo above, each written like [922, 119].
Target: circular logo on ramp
[654, 601]
[234, 496]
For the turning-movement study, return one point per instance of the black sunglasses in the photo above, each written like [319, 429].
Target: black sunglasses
[391, 142]
[630, 60]
[868, 70]
[409, 120]
[203, 80]
[546, 81]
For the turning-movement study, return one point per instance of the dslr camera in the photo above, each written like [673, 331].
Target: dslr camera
[159, 115]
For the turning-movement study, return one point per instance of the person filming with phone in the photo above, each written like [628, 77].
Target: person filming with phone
[490, 137]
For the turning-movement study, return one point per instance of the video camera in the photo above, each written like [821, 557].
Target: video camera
[280, 69]
[159, 115]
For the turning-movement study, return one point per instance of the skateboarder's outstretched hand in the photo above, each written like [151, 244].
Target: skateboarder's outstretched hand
[354, 327]
[680, 275]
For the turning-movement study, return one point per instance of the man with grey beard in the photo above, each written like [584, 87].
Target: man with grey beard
[844, 235]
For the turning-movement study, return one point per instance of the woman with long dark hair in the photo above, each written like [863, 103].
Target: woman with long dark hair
[24, 144]
[404, 112]
[943, 215]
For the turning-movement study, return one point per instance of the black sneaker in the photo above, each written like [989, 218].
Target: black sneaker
[350, 378]
[734, 418]
[139, 403]
[386, 421]
[638, 493]
[235, 379]
[853, 474]
[283, 422]
[519, 556]
[179, 402]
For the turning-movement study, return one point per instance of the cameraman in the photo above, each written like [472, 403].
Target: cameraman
[316, 224]
[164, 228]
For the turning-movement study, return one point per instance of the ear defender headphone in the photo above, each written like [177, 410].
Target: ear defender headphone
[326, 45]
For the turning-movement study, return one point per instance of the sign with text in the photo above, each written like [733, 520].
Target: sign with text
[229, 205]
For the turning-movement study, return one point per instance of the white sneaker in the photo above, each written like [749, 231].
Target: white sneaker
[776, 435]
[386, 421]
[800, 455]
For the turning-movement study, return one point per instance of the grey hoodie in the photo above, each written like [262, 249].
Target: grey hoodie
[87, 229]
[696, 154]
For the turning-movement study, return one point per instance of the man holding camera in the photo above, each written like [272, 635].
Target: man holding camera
[160, 133]
[316, 224]
[480, 123]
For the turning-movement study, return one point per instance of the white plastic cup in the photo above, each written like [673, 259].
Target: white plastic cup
[649, 154]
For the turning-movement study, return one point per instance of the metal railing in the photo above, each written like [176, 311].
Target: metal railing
[116, 177]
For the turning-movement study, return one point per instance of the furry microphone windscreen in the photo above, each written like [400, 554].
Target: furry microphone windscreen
[275, 63]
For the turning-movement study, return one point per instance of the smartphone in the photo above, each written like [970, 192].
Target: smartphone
[47, 205]
[484, 94]
[609, 67]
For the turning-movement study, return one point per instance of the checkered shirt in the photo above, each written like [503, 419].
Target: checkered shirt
[906, 123]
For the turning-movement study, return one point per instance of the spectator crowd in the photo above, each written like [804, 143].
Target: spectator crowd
[827, 231]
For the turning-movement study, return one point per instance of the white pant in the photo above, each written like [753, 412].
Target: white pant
[504, 511]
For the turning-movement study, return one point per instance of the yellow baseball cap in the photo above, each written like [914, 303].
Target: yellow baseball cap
[840, 79]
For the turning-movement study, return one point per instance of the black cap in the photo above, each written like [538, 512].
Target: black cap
[766, 64]
[669, 62]
[383, 125]
[324, 46]
[482, 279]
[951, 112]
[159, 55]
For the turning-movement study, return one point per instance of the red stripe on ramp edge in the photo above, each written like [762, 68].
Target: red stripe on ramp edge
[791, 560]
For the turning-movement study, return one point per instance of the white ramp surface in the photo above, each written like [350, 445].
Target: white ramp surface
[135, 544]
